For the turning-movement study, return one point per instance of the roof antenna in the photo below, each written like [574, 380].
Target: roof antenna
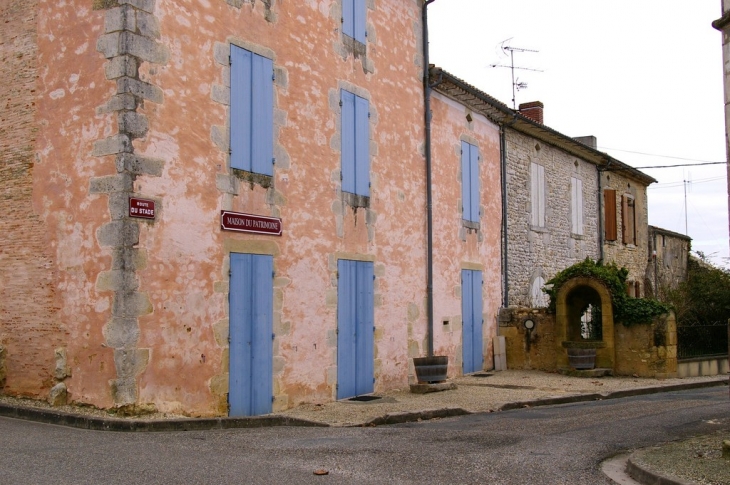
[516, 83]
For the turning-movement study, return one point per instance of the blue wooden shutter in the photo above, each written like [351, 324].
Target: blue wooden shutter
[239, 300]
[348, 17]
[348, 141]
[262, 334]
[251, 329]
[362, 146]
[466, 203]
[252, 112]
[474, 182]
[262, 116]
[346, 329]
[477, 357]
[241, 88]
[365, 328]
[467, 317]
[359, 21]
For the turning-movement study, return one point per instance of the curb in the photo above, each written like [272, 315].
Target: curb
[410, 417]
[203, 424]
[116, 424]
[641, 391]
[649, 477]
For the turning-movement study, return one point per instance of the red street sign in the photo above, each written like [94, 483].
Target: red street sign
[237, 221]
[142, 208]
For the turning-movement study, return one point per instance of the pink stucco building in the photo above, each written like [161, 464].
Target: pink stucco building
[219, 206]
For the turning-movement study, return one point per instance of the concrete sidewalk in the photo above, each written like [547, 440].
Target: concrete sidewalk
[476, 393]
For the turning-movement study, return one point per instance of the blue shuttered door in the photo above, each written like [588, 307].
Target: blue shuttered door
[470, 182]
[355, 131]
[251, 307]
[355, 326]
[471, 314]
[252, 112]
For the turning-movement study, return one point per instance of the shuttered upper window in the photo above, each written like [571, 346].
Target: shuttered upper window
[355, 144]
[353, 19]
[537, 194]
[628, 219]
[469, 182]
[576, 208]
[609, 204]
[252, 112]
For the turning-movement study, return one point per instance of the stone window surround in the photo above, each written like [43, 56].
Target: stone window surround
[352, 200]
[220, 135]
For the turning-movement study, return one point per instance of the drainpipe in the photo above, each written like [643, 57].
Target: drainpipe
[429, 201]
[600, 216]
[600, 209]
[505, 245]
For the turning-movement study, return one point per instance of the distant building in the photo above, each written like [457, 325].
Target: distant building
[668, 256]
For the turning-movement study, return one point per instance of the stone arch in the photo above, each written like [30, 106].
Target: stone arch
[566, 314]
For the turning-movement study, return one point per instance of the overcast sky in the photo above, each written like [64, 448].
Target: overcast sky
[641, 75]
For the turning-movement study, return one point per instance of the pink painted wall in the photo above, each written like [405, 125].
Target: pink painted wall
[456, 247]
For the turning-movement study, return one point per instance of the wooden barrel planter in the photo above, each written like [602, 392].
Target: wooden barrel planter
[431, 369]
[582, 354]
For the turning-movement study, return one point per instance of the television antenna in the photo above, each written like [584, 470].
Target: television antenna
[516, 83]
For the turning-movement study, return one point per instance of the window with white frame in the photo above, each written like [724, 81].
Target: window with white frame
[537, 194]
[576, 205]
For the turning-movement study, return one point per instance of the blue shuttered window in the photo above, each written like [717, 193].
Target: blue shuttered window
[353, 19]
[251, 306]
[470, 182]
[252, 112]
[472, 320]
[355, 144]
[355, 327]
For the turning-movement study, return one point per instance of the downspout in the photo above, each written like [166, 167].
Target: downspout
[505, 241]
[429, 201]
[505, 245]
[600, 209]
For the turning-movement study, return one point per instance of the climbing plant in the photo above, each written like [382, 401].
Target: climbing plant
[626, 309]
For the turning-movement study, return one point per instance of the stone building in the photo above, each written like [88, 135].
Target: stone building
[220, 206]
[667, 267]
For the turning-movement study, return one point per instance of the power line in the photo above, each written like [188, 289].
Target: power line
[684, 165]
[661, 156]
[672, 185]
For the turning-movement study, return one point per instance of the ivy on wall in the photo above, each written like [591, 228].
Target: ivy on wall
[626, 309]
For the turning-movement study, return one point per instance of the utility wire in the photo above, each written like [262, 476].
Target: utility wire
[660, 156]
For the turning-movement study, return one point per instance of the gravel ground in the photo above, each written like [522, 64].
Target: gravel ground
[476, 394]
[697, 460]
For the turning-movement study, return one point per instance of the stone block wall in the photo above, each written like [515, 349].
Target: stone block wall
[645, 350]
[667, 266]
[544, 251]
[529, 349]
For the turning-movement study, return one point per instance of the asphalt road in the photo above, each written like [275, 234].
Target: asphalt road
[546, 445]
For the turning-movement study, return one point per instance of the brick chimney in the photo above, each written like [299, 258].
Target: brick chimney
[532, 110]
